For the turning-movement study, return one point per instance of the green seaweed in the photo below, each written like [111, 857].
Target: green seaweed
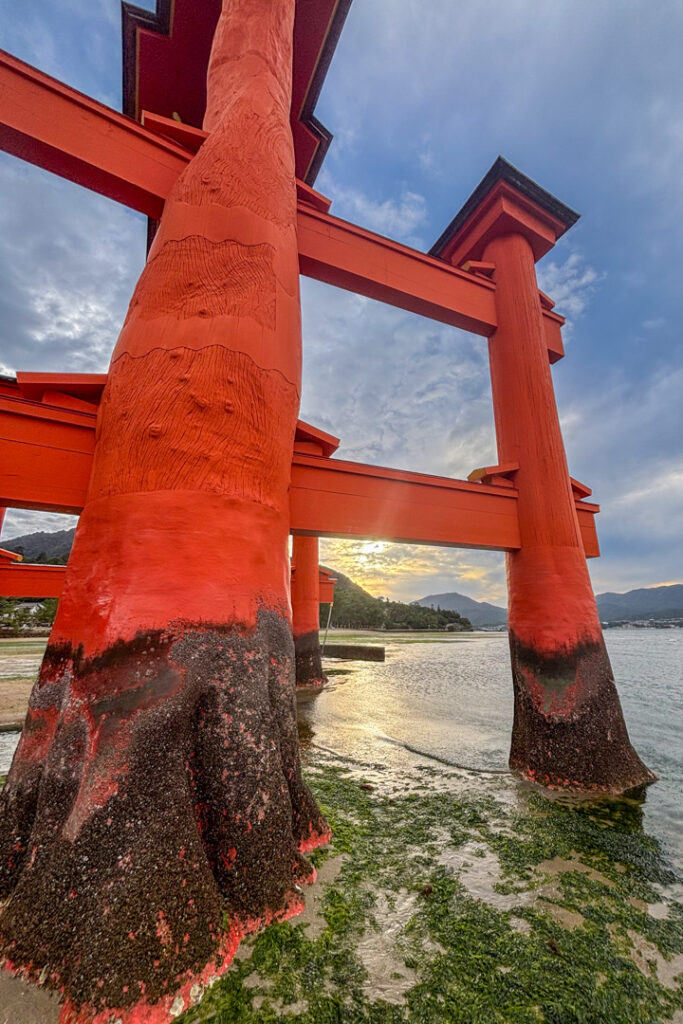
[473, 964]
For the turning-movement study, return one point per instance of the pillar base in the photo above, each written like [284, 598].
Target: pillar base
[569, 731]
[154, 813]
[309, 666]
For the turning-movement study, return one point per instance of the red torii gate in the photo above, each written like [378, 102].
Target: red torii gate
[148, 708]
[43, 423]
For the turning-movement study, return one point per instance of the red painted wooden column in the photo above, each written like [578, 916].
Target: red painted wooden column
[155, 810]
[309, 441]
[569, 730]
[306, 611]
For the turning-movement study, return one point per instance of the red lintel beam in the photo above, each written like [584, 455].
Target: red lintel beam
[46, 454]
[347, 256]
[27, 580]
[55, 127]
[333, 498]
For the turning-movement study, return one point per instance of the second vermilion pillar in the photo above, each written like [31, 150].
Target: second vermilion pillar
[569, 730]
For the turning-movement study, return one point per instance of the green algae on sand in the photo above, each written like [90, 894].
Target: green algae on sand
[460, 900]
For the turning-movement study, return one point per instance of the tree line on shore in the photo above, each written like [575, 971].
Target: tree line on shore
[354, 608]
[17, 616]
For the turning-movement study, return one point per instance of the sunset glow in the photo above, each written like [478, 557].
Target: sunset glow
[407, 572]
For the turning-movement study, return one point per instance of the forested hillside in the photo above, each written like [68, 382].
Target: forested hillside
[51, 548]
[354, 608]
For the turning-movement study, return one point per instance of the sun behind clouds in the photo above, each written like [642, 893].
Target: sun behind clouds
[407, 572]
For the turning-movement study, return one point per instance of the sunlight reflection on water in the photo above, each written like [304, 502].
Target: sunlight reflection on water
[453, 702]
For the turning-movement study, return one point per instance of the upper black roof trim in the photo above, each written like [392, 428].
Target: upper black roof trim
[504, 171]
[307, 116]
[134, 17]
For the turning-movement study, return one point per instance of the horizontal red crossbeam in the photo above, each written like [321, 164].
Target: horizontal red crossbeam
[51, 125]
[333, 498]
[341, 254]
[25, 579]
[55, 127]
[46, 452]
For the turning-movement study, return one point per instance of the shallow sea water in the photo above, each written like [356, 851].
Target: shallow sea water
[451, 703]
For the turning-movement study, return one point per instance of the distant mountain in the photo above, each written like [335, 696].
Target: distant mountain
[646, 603]
[480, 613]
[51, 548]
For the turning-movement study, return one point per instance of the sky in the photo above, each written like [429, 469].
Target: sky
[583, 97]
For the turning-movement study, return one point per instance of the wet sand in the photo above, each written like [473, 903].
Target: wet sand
[19, 664]
[21, 1003]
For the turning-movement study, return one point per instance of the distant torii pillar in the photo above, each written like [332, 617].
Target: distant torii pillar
[315, 444]
[306, 611]
[568, 730]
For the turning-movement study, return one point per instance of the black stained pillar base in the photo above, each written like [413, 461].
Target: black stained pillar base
[309, 666]
[569, 730]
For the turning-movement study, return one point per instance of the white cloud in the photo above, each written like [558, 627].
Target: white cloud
[397, 218]
[623, 439]
[70, 261]
[570, 284]
[407, 572]
[20, 521]
[399, 390]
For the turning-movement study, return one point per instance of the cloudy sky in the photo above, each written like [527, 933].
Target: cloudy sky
[584, 97]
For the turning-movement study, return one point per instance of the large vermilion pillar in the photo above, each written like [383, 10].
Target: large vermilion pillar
[306, 611]
[155, 810]
[568, 729]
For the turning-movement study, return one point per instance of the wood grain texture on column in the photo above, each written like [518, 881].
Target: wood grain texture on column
[306, 611]
[155, 811]
[569, 729]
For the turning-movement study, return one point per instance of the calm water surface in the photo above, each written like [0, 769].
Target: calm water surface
[453, 702]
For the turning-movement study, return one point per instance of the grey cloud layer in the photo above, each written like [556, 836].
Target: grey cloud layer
[69, 262]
